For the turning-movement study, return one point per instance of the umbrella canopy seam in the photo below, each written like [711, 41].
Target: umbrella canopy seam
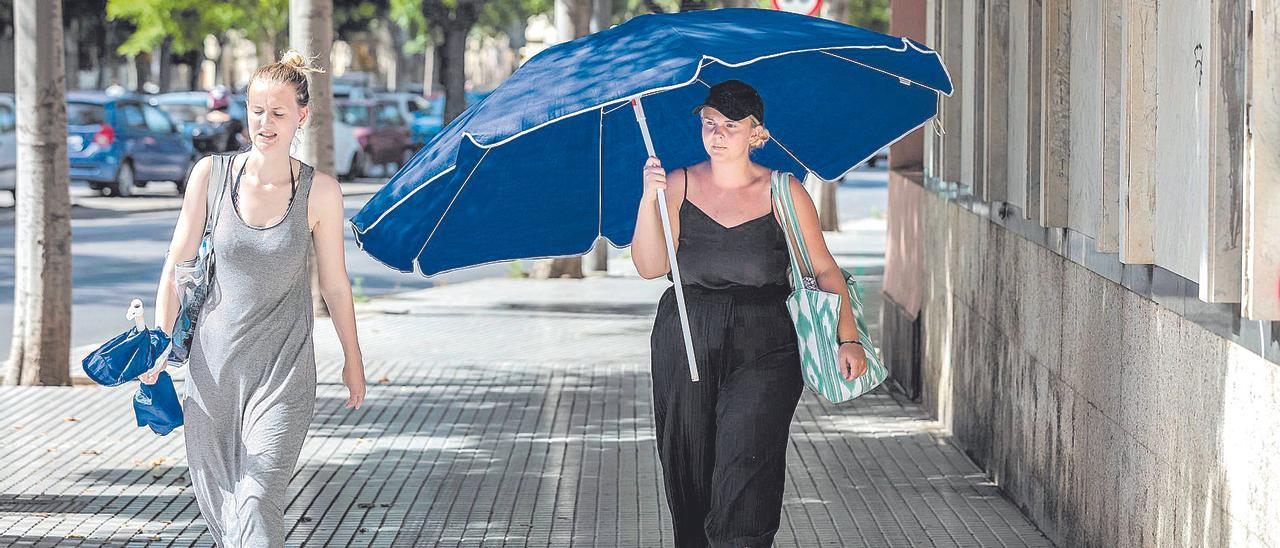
[461, 187]
[401, 201]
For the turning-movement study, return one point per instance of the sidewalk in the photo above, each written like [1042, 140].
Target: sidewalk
[511, 412]
[501, 412]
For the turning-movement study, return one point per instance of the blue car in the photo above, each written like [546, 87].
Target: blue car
[118, 144]
[428, 122]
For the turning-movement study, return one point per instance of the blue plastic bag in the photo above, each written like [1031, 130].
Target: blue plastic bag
[156, 405]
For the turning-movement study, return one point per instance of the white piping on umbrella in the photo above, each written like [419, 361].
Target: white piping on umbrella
[402, 200]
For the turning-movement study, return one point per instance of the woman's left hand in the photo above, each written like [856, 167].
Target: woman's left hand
[853, 361]
[353, 377]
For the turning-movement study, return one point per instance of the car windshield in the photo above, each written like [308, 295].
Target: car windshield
[354, 115]
[85, 114]
[184, 113]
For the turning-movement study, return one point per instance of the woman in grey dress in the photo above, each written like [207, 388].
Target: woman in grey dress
[252, 378]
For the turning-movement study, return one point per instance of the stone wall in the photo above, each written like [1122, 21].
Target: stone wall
[1109, 419]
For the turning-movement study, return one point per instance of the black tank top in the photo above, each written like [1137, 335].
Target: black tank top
[751, 254]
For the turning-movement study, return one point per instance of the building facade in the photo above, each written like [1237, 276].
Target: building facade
[1083, 280]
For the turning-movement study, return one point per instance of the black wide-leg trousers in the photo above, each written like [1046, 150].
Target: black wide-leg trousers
[722, 441]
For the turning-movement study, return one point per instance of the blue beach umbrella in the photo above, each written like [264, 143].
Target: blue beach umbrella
[128, 354]
[552, 158]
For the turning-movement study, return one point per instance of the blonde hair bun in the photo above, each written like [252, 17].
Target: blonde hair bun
[294, 59]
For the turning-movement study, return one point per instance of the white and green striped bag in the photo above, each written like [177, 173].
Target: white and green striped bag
[816, 314]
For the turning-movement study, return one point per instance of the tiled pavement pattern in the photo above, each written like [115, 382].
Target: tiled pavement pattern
[500, 413]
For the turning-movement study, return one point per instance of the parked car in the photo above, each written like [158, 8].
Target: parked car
[344, 147]
[427, 126]
[352, 85]
[422, 117]
[209, 132]
[381, 134]
[118, 143]
[8, 145]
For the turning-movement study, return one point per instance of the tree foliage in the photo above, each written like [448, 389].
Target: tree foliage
[869, 14]
[188, 22]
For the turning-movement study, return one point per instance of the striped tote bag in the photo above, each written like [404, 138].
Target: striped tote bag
[816, 314]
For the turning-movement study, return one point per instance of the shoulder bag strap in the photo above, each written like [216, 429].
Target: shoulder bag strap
[797, 251]
[219, 173]
[794, 234]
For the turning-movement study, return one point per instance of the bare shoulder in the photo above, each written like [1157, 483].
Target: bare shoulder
[677, 175]
[324, 183]
[198, 184]
[677, 179]
[326, 197]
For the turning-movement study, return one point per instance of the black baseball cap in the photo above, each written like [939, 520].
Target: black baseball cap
[734, 99]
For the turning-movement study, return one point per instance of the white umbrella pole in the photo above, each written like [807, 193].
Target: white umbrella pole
[135, 313]
[671, 248]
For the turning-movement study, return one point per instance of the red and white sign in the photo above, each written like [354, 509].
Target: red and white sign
[806, 7]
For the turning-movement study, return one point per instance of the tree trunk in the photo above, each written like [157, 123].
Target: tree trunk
[42, 251]
[266, 49]
[141, 71]
[165, 76]
[104, 59]
[397, 35]
[562, 17]
[515, 40]
[71, 48]
[193, 77]
[455, 78]
[691, 5]
[828, 212]
[429, 68]
[836, 10]
[311, 32]
[221, 60]
[601, 15]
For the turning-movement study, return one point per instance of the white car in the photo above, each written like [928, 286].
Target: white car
[8, 145]
[344, 148]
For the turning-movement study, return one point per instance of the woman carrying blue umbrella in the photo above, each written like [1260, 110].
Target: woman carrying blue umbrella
[251, 388]
[722, 441]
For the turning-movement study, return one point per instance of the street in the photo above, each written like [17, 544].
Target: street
[118, 248]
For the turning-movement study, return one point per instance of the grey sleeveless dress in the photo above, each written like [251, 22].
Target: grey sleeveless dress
[251, 388]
